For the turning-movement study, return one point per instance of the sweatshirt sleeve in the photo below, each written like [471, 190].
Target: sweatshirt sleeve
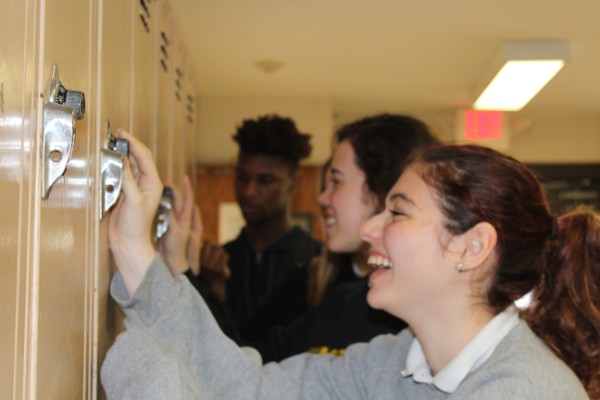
[167, 322]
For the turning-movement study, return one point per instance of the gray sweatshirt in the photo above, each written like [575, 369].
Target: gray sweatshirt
[173, 349]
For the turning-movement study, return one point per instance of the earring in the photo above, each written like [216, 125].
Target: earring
[459, 267]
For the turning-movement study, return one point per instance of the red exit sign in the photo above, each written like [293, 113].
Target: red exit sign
[483, 125]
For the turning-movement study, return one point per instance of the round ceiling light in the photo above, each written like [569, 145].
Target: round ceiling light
[269, 66]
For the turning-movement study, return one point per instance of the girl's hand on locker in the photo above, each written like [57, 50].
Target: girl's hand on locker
[195, 243]
[130, 223]
[173, 245]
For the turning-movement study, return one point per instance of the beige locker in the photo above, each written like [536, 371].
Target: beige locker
[66, 219]
[179, 88]
[164, 96]
[114, 79]
[57, 320]
[184, 144]
[143, 100]
[190, 125]
[17, 150]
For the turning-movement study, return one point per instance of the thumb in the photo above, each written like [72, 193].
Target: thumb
[130, 190]
[187, 205]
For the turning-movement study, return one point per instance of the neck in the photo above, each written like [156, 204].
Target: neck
[360, 258]
[444, 336]
[261, 236]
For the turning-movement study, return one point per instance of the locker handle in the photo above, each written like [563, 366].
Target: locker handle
[59, 117]
[112, 159]
[162, 217]
[57, 143]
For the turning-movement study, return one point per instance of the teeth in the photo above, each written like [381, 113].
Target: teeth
[330, 221]
[379, 262]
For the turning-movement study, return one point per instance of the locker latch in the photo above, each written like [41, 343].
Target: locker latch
[60, 112]
[112, 158]
[161, 220]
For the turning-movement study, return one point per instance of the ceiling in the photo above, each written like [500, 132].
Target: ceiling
[370, 56]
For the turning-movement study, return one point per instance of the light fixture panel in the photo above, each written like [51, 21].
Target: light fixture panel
[526, 68]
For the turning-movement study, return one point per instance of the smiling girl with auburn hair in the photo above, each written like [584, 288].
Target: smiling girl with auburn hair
[466, 232]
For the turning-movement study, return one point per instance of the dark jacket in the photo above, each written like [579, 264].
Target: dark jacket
[269, 287]
[342, 319]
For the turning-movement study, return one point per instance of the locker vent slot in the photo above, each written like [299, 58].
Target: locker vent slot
[145, 23]
[145, 8]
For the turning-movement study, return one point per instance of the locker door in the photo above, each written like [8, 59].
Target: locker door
[114, 74]
[190, 125]
[16, 151]
[180, 131]
[64, 276]
[164, 97]
[143, 102]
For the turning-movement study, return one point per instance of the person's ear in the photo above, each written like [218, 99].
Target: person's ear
[478, 244]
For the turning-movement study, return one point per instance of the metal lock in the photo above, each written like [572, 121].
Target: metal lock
[69, 98]
[112, 161]
[60, 113]
[162, 218]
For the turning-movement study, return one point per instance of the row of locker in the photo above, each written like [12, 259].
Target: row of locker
[57, 320]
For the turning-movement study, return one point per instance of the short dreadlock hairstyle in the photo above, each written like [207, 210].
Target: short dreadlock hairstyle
[273, 135]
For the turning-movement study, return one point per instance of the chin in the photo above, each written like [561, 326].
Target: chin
[340, 246]
[374, 300]
[334, 246]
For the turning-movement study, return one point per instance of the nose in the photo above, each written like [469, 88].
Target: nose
[250, 188]
[370, 230]
[324, 198]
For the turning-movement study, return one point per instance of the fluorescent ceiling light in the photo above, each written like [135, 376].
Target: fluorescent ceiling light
[526, 69]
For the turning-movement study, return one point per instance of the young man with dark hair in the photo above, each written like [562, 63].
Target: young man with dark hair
[268, 260]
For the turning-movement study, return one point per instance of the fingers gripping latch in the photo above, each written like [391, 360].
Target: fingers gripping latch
[112, 161]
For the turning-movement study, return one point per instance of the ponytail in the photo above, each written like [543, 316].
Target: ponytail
[565, 311]
[559, 260]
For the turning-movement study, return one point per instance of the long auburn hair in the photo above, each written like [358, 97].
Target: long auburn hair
[558, 260]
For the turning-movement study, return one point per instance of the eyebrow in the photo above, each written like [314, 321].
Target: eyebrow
[402, 196]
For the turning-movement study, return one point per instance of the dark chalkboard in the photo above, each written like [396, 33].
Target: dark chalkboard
[569, 185]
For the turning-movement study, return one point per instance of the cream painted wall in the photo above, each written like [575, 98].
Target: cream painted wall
[559, 139]
[536, 139]
[219, 117]
[532, 139]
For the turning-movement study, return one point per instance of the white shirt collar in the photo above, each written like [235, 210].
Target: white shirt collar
[475, 353]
